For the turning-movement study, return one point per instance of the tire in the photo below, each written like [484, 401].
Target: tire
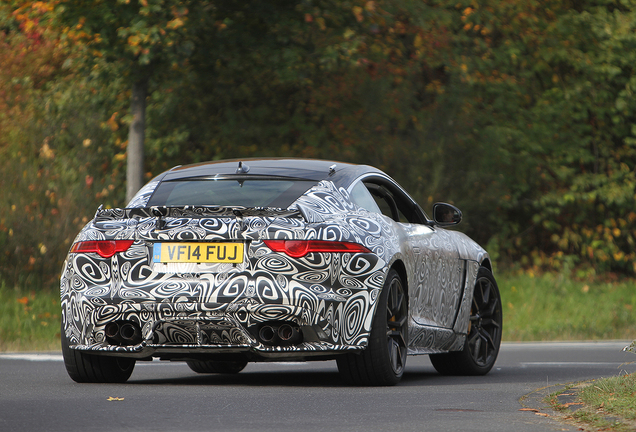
[222, 367]
[484, 332]
[90, 368]
[382, 362]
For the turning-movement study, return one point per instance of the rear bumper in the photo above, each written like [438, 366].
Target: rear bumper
[207, 329]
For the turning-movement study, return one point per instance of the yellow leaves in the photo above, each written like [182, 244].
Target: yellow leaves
[417, 42]
[43, 6]
[28, 25]
[112, 122]
[175, 23]
[46, 152]
[357, 12]
[180, 11]
[321, 23]
[115, 399]
[80, 24]
[102, 194]
[619, 256]
[134, 40]
[436, 86]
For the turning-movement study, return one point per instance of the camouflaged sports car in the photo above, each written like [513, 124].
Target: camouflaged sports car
[223, 263]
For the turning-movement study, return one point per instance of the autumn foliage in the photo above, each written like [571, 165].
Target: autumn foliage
[519, 112]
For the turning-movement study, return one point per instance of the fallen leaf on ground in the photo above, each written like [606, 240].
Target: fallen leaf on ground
[529, 409]
[110, 399]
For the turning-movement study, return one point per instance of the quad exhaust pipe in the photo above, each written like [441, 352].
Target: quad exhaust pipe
[277, 333]
[123, 333]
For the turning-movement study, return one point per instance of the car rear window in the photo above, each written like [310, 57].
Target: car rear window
[279, 193]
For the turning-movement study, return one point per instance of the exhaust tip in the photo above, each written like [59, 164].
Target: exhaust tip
[267, 334]
[130, 333]
[122, 333]
[111, 330]
[289, 333]
[277, 333]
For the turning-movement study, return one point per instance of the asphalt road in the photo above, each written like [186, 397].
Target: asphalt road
[37, 395]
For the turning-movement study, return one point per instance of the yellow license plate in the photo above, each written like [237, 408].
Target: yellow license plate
[197, 253]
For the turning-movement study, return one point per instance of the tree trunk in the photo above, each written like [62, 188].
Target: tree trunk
[136, 136]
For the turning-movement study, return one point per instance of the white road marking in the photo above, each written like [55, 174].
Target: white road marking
[516, 346]
[526, 364]
[32, 357]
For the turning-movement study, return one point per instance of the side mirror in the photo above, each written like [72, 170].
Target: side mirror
[446, 214]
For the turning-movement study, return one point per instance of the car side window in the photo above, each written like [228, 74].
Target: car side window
[394, 203]
[385, 201]
[361, 196]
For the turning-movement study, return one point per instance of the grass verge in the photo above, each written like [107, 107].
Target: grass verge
[555, 307]
[605, 404]
[29, 320]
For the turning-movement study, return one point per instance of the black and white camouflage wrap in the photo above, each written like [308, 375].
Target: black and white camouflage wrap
[189, 307]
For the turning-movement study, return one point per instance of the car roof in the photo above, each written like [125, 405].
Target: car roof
[309, 169]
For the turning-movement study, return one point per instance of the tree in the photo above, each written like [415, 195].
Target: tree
[141, 40]
[53, 159]
[552, 83]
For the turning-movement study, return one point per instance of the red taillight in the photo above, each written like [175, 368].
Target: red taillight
[105, 248]
[300, 248]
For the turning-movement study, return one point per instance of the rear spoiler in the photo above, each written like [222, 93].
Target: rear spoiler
[103, 214]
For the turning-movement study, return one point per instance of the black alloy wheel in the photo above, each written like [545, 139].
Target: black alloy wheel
[83, 367]
[484, 332]
[396, 328]
[382, 362]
